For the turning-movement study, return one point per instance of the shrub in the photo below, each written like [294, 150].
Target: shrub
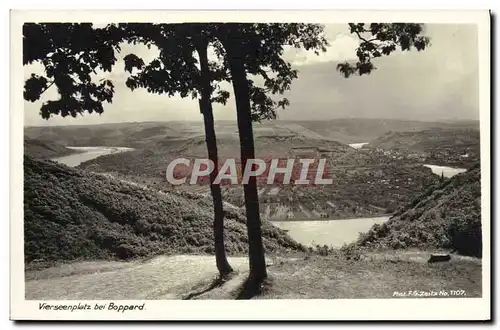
[444, 216]
[71, 214]
[465, 235]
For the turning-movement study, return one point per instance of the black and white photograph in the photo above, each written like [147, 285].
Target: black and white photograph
[277, 158]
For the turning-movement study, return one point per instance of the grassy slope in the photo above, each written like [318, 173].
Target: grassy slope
[446, 216]
[333, 277]
[71, 214]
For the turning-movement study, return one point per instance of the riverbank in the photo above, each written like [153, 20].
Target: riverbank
[46, 149]
[361, 216]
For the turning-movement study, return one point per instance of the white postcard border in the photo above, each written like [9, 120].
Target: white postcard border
[335, 309]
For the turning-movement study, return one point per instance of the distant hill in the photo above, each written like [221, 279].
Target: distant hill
[71, 214]
[358, 130]
[45, 149]
[447, 215]
[112, 135]
[153, 161]
[440, 146]
[144, 134]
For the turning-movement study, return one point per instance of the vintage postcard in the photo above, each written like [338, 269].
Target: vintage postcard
[250, 165]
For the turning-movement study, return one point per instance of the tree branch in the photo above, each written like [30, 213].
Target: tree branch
[48, 86]
[363, 39]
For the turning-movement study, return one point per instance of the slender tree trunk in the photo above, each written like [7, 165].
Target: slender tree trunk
[208, 118]
[241, 91]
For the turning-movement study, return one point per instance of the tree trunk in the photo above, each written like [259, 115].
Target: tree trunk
[241, 91]
[208, 118]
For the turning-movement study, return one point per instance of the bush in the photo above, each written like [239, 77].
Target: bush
[71, 214]
[444, 216]
[465, 235]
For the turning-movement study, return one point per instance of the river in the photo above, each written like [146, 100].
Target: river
[88, 153]
[447, 171]
[339, 232]
[358, 145]
[333, 233]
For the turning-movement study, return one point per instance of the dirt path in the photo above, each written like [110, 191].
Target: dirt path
[376, 275]
[164, 277]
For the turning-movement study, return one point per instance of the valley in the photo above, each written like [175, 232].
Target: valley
[106, 210]
[370, 179]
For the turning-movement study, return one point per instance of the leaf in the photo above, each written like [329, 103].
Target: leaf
[382, 40]
[70, 53]
[34, 87]
[132, 61]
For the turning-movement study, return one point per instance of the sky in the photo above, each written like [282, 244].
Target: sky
[438, 84]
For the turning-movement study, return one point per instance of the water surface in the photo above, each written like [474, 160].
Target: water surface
[358, 145]
[447, 171]
[88, 153]
[333, 233]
